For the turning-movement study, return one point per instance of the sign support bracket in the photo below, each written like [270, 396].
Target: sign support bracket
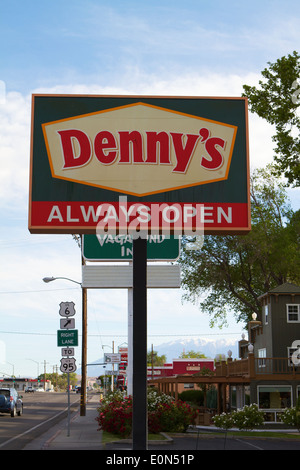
[139, 342]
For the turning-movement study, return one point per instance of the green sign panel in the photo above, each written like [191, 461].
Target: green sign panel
[119, 248]
[67, 337]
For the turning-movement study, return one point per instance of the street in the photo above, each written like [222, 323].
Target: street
[41, 411]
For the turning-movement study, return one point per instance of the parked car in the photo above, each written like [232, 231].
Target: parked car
[29, 390]
[10, 402]
[39, 389]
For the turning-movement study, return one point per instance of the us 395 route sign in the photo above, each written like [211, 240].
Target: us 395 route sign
[68, 365]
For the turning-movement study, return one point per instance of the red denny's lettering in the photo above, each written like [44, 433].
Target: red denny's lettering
[135, 147]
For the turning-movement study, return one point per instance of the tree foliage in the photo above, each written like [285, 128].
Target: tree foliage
[231, 272]
[155, 359]
[192, 355]
[276, 100]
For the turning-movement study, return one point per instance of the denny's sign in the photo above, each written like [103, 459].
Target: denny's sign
[186, 158]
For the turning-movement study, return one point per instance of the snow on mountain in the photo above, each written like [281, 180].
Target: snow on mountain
[207, 346]
[210, 347]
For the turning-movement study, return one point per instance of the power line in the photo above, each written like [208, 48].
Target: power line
[33, 291]
[114, 335]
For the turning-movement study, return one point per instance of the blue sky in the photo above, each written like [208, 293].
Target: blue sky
[121, 47]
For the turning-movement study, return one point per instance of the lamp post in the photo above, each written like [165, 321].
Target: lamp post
[84, 341]
[38, 372]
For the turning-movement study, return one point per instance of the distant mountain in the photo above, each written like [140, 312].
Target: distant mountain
[208, 346]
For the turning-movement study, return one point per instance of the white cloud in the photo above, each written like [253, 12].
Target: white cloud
[15, 117]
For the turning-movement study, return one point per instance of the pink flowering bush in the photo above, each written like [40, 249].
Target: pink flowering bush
[115, 415]
[164, 414]
[171, 417]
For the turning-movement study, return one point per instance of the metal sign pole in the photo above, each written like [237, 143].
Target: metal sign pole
[68, 433]
[139, 340]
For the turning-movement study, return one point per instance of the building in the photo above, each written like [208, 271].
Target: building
[21, 383]
[188, 367]
[268, 370]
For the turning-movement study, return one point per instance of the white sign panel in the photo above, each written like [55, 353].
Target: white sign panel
[118, 277]
[67, 351]
[67, 323]
[112, 358]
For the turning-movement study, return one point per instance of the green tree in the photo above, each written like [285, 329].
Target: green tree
[276, 100]
[59, 380]
[231, 272]
[192, 354]
[154, 359]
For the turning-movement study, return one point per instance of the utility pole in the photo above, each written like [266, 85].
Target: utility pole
[45, 374]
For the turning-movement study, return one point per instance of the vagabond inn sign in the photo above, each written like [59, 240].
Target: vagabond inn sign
[138, 162]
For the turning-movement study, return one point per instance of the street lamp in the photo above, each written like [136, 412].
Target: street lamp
[49, 279]
[38, 372]
[84, 341]
[13, 366]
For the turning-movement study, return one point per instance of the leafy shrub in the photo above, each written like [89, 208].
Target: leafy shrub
[248, 417]
[223, 421]
[164, 414]
[291, 416]
[192, 396]
[115, 414]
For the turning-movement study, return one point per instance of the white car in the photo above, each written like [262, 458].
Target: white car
[39, 389]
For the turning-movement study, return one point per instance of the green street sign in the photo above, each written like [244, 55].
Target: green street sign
[67, 337]
[119, 248]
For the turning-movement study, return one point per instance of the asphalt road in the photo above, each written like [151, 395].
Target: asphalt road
[42, 410]
[194, 444]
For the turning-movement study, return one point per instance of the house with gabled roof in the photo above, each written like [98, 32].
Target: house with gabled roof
[268, 369]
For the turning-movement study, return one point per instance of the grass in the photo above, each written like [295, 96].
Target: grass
[108, 437]
[256, 434]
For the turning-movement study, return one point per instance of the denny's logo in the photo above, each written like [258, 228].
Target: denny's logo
[139, 149]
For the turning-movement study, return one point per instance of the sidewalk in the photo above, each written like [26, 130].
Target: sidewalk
[83, 433]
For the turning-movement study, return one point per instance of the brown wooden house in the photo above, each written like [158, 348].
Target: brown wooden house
[268, 369]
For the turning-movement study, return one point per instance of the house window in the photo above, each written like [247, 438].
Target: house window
[293, 313]
[262, 354]
[273, 399]
[266, 313]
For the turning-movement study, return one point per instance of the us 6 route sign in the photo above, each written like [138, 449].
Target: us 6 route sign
[67, 309]
[68, 365]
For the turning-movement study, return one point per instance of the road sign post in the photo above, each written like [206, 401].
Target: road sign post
[139, 340]
[67, 336]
